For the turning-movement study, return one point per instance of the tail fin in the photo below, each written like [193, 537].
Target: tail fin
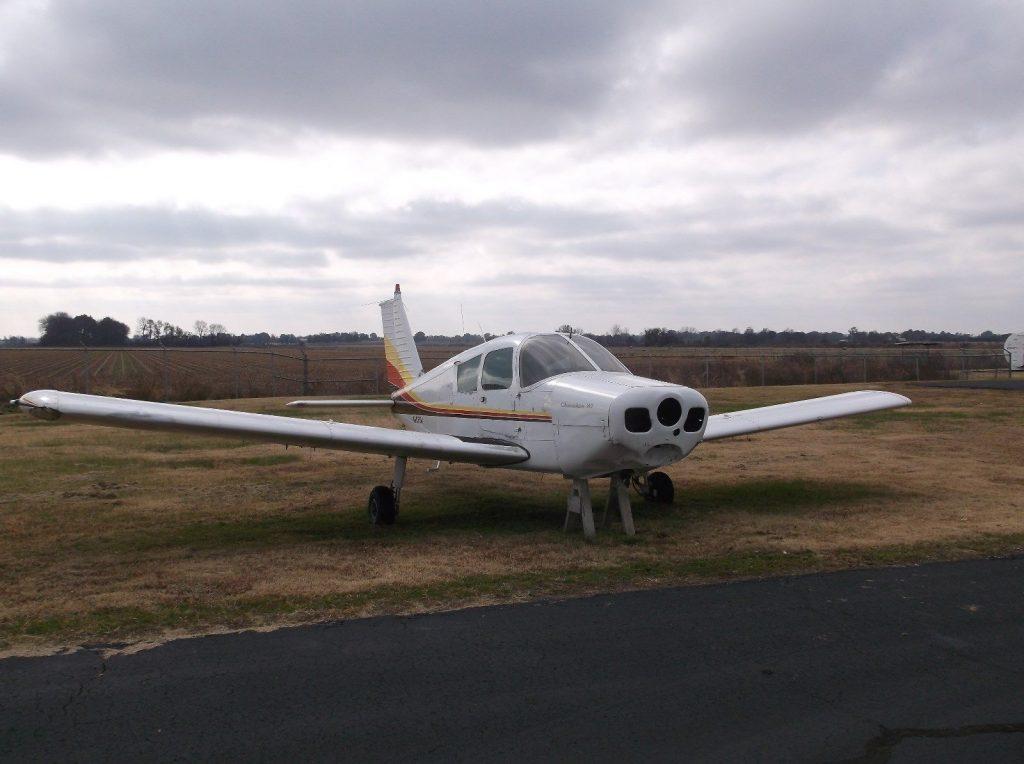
[402, 357]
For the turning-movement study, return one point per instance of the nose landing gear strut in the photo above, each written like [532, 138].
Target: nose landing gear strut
[580, 512]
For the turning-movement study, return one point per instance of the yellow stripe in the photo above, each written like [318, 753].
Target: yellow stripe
[391, 354]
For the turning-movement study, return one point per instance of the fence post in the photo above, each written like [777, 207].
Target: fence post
[86, 374]
[762, 370]
[305, 369]
[273, 374]
[166, 371]
[377, 376]
[234, 350]
[864, 363]
[707, 371]
[815, 369]
[917, 367]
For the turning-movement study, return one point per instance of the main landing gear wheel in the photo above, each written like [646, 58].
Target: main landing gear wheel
[659, 488]
[382, 506]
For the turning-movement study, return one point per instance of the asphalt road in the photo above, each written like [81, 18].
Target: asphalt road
[907, 664]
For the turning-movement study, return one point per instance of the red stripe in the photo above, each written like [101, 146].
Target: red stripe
[394, 376]
[475, 413]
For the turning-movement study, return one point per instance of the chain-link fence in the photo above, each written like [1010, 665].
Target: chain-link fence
[209, 373]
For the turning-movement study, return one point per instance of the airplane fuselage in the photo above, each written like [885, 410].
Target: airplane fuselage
[580, 423]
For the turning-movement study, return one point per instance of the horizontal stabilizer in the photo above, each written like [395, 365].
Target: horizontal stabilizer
[800, 412]
[347, 403]
[314, 433]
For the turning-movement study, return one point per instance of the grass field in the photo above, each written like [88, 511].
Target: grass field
[115, 535]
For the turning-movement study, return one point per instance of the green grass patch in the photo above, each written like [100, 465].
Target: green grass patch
[28, 421]
[181, 445]
[209, 463]
[136, 621]
[268, 460]
[421, 517]
[776, 496]
[30, 473]
[197, 463]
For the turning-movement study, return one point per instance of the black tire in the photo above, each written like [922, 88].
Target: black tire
[660, 489]
[382, 507]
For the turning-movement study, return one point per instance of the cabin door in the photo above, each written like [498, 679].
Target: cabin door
[497, 398]
[463, 422]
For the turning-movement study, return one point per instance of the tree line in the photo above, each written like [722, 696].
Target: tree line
[787, 338]
[63, 330]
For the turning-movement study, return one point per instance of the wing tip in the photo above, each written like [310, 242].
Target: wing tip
[42, 404]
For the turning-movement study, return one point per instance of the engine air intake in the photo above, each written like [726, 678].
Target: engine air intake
[669, 412]
[638, 420]
[694, 419]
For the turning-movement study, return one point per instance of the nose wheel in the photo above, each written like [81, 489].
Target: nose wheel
[656, 487]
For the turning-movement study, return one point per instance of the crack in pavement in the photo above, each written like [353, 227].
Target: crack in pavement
[101, 670]
[880, 749]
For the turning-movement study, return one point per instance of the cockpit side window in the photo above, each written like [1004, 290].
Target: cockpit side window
[497, 374]
[546, 355]
[599, 354]
[466, 373]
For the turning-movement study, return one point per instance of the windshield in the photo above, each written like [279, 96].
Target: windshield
[598, 354]
[546, 355]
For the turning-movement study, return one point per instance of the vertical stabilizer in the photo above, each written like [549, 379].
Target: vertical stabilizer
[403, 360]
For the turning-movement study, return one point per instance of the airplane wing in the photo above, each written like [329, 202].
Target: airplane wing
[800, 412]
[314, 433]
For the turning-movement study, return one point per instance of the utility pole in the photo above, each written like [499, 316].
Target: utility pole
[166, 372]
[273, 374]
[86, 374]
[305, 369]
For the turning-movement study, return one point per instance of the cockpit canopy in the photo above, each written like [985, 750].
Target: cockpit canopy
[547, 355]
[541, 357]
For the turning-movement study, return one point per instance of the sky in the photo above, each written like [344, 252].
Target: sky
[280, 165]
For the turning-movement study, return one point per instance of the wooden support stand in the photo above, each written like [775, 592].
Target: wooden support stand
[618, 501]
[579, 510]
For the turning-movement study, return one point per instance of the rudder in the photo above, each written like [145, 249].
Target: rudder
[403, 359]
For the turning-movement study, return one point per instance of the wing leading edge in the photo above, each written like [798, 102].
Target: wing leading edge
[314, 433]
[801, 412]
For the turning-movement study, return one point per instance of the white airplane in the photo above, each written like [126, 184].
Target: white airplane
[541, 401]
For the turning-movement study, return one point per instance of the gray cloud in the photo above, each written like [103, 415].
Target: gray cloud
[148, 233]
[97, 74]
[733, 227]
[142, 233]
[779, 67]
[92, 75]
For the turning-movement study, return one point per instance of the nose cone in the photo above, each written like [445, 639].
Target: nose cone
[659, 425]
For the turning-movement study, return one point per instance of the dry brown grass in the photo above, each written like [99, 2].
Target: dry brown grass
[180, 374]
[120, 534]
